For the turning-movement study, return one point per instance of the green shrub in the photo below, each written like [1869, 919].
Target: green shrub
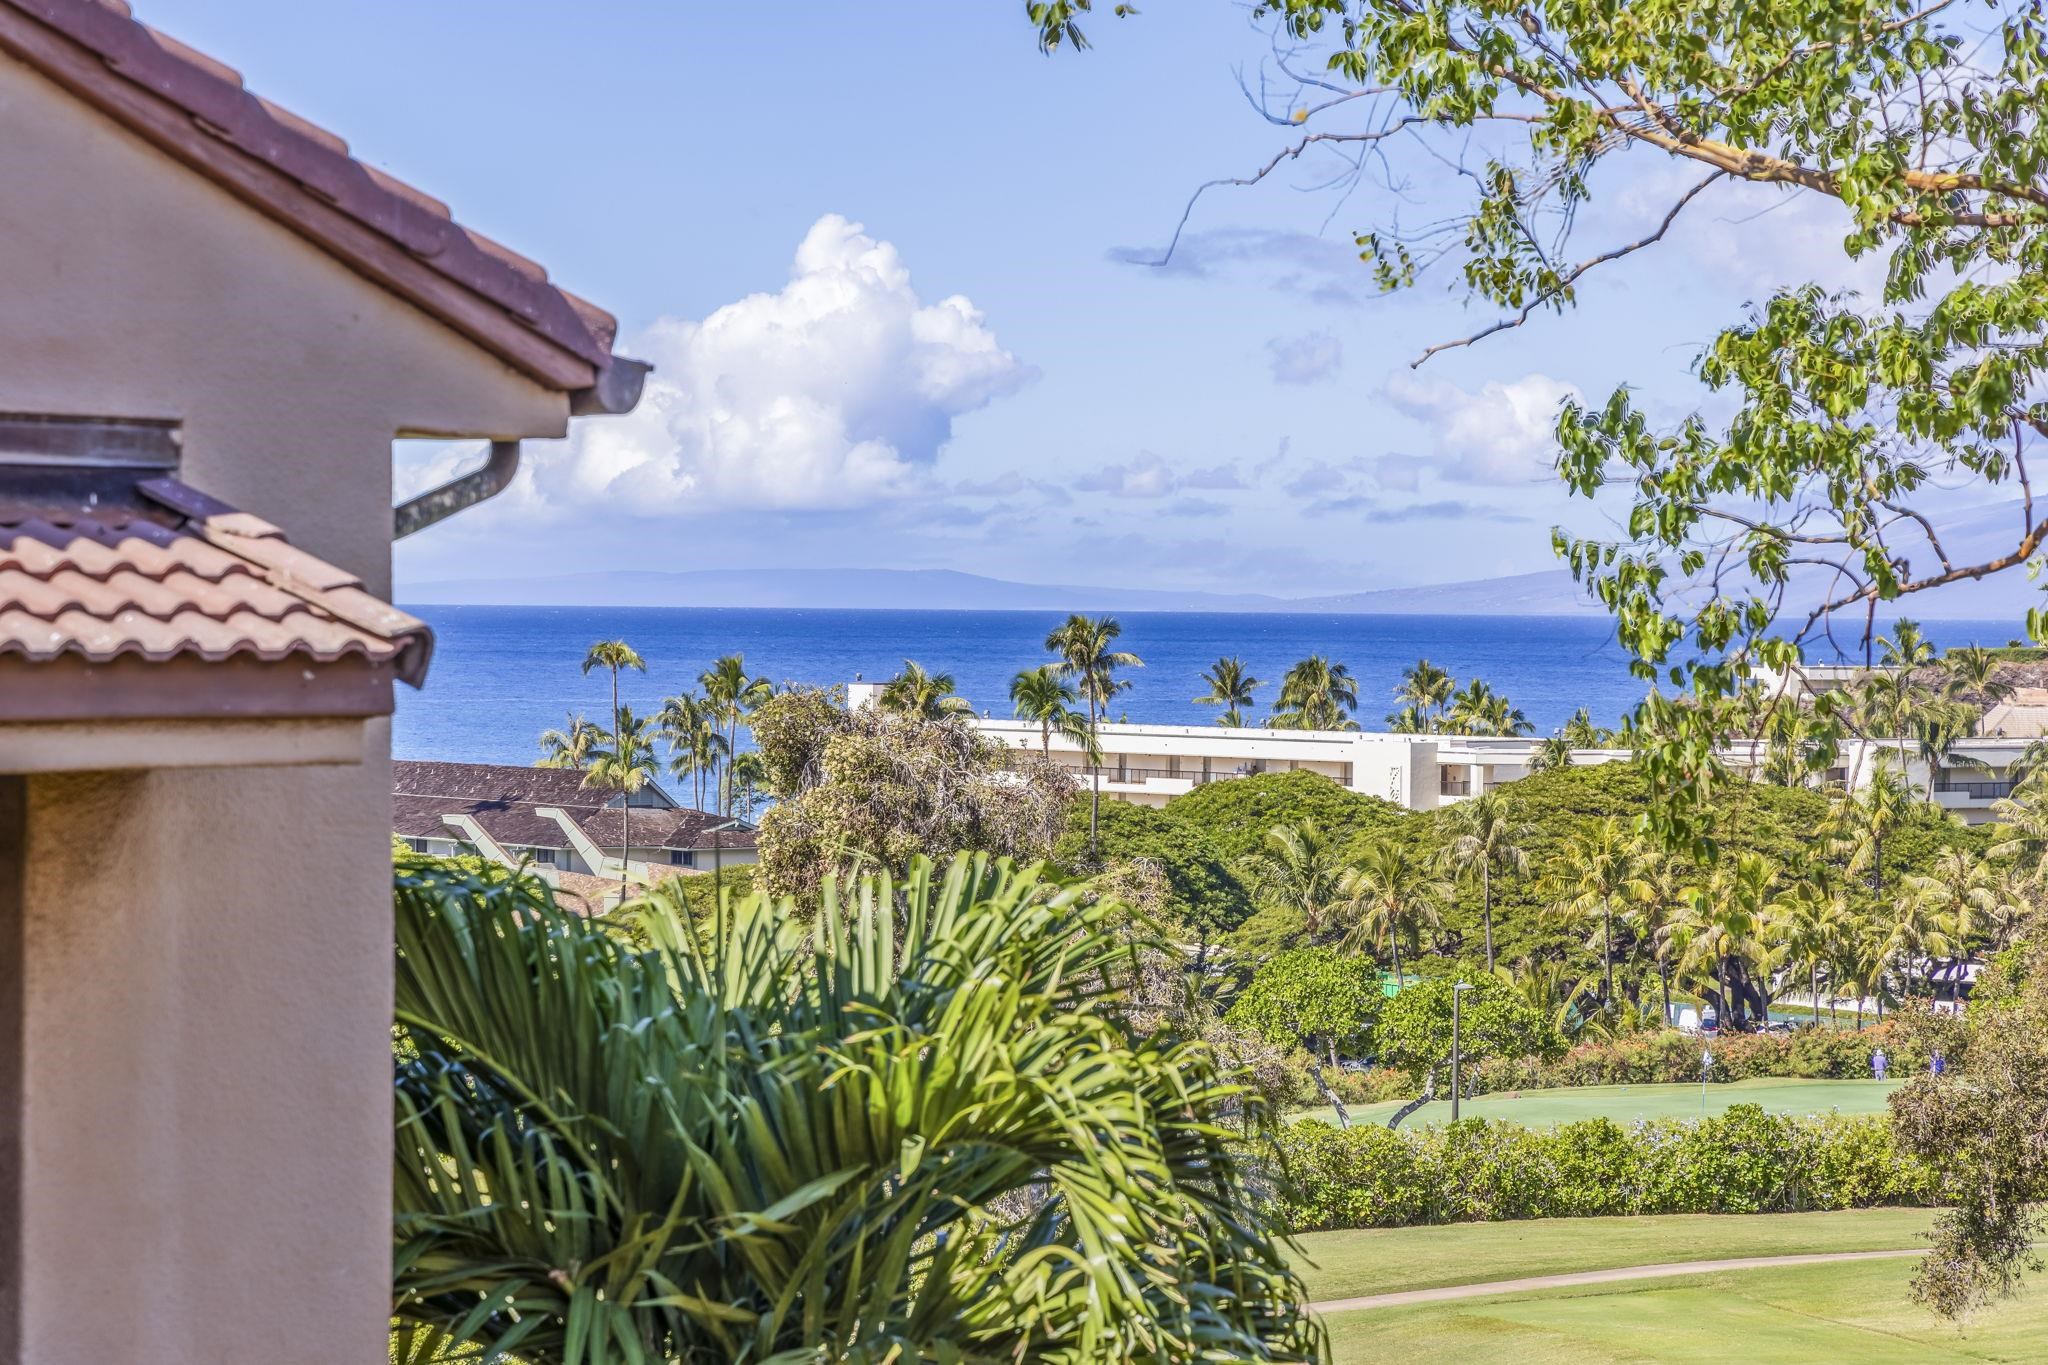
[1745, 1161]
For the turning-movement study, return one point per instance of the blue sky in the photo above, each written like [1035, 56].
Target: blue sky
[978, 377]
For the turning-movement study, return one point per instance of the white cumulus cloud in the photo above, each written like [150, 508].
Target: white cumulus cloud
[1503, 433]
[839, 390]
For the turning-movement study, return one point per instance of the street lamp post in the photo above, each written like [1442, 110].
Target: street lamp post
[1457, 995]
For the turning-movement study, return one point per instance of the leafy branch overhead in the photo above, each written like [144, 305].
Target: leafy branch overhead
[1846, 430]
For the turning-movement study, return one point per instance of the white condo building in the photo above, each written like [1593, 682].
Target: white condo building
[1151, 764]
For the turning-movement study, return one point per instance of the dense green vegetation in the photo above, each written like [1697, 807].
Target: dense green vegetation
[1550, 1106]
[1742, 1161]
[927, 1129]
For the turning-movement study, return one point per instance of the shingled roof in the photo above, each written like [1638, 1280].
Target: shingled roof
[195, 109]
[506, 802]
[130, 596]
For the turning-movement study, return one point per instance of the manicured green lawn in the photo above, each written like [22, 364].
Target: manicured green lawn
[1799, 1315]
[1339, 1265]
[1544, 1108]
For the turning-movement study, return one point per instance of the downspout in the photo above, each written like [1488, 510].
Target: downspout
[417, 514]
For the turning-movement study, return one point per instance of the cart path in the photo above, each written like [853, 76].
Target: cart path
[1627, 1272]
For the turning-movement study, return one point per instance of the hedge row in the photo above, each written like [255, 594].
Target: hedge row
[1667, 1055]
[1746, 1161]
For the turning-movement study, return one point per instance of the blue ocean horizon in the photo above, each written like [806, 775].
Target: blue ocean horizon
[501, 675]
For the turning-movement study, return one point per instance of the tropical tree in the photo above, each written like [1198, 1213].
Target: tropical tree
[1316, 694]
[2020, 835]
[1315, 999]
[1551, 754]
[623, 770]
[1486, 834]
[1972, 672]
[732, 694]
[1936, 728]
[1086, 653]
[931, 695]
[571, 746]
[612, 656]
[1476, 709]
[1805, 926]
[1860, 822]
[1719, 937]
[1424, 691]
[1298, 870]
[1906, 647]
[749, 783]
[1919, 928]
[1492, 1020]
[1231, 685]
[749, 1142]
[1656, 899]
[1588, 880]
[696, 748]
[1391, 891]
[1044, 698]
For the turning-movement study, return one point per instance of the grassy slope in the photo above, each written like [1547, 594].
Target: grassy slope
[1385, 1260]
[1622, 1103]
[1804, 1315]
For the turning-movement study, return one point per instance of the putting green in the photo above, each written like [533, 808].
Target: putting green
[1849, 1311]
[1623, 1103]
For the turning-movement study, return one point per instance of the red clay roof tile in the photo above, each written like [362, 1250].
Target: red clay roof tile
[118, 568]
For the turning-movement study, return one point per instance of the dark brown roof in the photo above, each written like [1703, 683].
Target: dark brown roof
[109, 579]
[195, 109]
[680, 827]
[505, 802]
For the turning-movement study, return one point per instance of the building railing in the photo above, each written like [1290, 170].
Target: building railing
[1455, 786]
[1981, 791]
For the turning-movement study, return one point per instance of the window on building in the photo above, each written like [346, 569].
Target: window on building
[416, 845]
[682, 857]
[544, 855]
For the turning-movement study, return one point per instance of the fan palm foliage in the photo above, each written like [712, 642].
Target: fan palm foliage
[1231, 685]
[1316, 694]
[1486, 835]
[916, 692]
[1391, 893]
[1086, 654]
[922, 1134]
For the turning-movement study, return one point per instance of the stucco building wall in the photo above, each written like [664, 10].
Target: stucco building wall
[203, 955]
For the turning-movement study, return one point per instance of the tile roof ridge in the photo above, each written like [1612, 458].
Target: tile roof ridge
[293, 571]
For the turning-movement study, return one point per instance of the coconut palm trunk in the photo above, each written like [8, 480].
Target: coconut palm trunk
[1486, 908]
[1607, 951]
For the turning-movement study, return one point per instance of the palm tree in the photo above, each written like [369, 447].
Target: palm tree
[1390, 891]
[696, 748]
[1041, 696]
[732, 693]
[1936, 728]
[1656, 898]
[914, 692]
[1859, 964]
[1589, 877]
[1551, 754]
[624, 769]
[1316, 694]
[1906, 647]
[1721, 930]
[749, 776]
[1408, 720]
[1581, 733]
[572, 746]
[1920, 928]
[1805, 927]
[1086, 652]
[2021, 831]
[1860, 823]
[613, 655]
[1425, 690]
[743, 1142]
[1298, 868]
[1485, 834]
[1230, 686]
[1973, 671]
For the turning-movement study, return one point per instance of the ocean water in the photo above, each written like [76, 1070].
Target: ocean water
[501, 675]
